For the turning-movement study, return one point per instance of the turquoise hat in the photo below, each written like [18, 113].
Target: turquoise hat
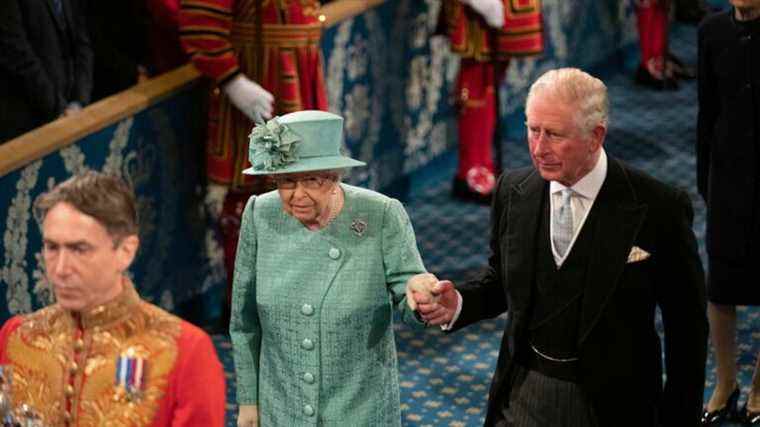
[303, 141]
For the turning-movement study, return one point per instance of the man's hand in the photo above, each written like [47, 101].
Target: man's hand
[422, 284]
[248, 416]
[250, 98]
[491, 10]
[439, 307]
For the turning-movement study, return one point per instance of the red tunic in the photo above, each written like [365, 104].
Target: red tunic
[471, 37]
[273, 42]
[64, 366]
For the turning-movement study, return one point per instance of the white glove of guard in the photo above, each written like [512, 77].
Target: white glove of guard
[491, 10]
[72, 108]
[250, 98]
[248, 416]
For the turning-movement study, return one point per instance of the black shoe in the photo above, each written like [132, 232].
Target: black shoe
[680, 69]
[726, 413]
[749, 418]
[462, 191]
[645, 79]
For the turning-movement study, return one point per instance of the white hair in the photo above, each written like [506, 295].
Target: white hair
[574, 86]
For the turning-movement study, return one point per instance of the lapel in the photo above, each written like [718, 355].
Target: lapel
[618, 218]
[58, 19]
[68, 15]
[523, 214]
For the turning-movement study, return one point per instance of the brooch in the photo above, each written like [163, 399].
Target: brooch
[358, 226]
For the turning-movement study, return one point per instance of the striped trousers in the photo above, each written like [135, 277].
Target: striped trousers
[537, 400]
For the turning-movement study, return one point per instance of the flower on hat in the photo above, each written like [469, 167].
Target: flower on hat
[272, 146]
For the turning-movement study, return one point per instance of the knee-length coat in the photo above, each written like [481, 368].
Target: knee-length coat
[312, 311]
[728, 154]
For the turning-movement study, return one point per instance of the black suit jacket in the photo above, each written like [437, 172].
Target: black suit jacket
[46, 63]
[620, 352]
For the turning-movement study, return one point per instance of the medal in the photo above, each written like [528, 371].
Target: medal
[130, 371]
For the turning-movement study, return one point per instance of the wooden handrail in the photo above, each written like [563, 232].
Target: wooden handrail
[342, 10]
[59, 133]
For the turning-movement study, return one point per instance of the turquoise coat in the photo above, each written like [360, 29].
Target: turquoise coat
[312, 311]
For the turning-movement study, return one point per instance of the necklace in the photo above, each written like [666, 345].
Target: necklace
[335, 205]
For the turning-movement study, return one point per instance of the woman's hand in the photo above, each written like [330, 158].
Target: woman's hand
[422, 284]
[440, 307]
[248, 416]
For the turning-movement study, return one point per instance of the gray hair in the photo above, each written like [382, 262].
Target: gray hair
[577, 87]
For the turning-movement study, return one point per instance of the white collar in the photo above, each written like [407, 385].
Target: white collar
[587, 187]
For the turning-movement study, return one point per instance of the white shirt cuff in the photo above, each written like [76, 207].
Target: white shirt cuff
[448, 326]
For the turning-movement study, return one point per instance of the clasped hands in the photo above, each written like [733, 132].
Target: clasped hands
[435, 300]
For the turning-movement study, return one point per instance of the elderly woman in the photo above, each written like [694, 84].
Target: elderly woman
[319, 268]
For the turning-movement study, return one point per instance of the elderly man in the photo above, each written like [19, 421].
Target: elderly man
[101, 355]
[583, 248]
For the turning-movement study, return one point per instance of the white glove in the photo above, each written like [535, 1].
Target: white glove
[72, 108]
[250, 98]
[248, 416]
[421, 283]
[491, 10]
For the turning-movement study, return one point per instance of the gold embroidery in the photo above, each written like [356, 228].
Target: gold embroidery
[42, 351]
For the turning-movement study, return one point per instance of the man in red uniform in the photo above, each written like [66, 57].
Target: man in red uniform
[264, 58]
[486, 34]
[100, 355]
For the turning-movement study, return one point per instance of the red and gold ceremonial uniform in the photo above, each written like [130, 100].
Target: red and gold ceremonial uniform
[65, 363]
[274, 43]
[485, 53]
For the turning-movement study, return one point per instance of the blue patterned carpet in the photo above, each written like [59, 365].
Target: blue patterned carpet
[445, 379]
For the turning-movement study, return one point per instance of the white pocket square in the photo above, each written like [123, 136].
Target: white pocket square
[637, 254]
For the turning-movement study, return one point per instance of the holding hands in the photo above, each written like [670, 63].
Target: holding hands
[436, 301]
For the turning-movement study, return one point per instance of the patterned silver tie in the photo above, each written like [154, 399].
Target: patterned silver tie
[563, 223]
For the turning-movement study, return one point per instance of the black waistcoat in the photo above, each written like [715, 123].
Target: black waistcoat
[558, 292]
